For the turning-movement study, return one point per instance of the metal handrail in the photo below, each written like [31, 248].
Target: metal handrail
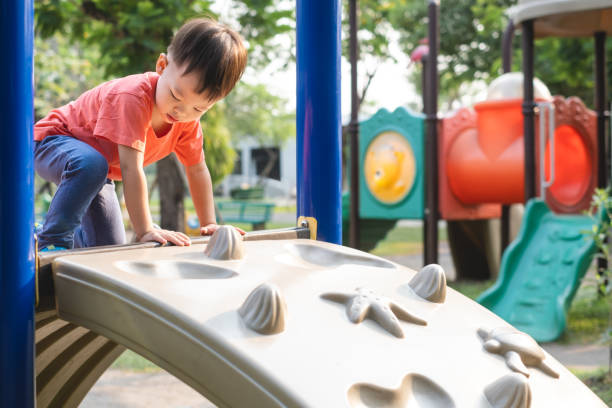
[543, 136]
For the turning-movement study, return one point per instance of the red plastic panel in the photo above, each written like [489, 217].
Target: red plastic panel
[452, 129]
[573, 172]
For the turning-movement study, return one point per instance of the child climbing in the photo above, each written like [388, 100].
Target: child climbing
[115, 129]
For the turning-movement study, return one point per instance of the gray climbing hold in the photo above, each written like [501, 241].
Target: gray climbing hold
[225, 244]
[430, 283]
[509, 391]
[264, 310]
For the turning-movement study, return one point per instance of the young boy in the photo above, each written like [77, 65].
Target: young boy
[112, 131]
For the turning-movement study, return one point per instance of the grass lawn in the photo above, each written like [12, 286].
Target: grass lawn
[131, 361]
[588, 317]
[404, 240]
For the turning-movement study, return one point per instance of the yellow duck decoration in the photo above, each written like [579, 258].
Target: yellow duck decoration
[389, 167]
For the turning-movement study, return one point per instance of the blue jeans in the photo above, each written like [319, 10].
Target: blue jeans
[84, 211]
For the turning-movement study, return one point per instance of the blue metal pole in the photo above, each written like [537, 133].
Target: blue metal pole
[319, 172]
[17, 205]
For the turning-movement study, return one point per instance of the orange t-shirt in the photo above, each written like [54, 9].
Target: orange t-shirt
[119, 112]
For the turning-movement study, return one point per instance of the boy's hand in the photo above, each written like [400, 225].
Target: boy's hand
[211, 228]
[164, 236]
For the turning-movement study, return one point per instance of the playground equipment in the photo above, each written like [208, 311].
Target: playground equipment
[482, 164]
[482, 155]
[318, 130]
[187, 312]
[491, 157]
[289, 323]
[534, 290]
[391, 174]
[391, 150]
[480, 161]
[541, 271]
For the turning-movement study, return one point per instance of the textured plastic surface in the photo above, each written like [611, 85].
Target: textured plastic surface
[69, 360]
[541, 271]
[195, 329]
[511, 391]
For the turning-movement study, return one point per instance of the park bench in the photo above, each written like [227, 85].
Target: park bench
[248, 212]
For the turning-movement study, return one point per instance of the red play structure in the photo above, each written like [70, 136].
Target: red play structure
[481, 161]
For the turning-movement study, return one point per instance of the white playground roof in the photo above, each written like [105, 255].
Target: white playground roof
[564, 18]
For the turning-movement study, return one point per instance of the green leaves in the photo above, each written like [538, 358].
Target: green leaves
[220, 155]
[470, 47]
[129, 33]
[62, 71]
[254, 112]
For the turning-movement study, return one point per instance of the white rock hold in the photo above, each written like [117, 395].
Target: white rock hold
[510, 391]
[430, 283]
[264, 310]
[225, 244]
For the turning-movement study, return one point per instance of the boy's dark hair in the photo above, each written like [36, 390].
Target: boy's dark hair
[215, 52]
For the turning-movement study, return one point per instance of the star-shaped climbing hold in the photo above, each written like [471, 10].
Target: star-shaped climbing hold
[365, 303]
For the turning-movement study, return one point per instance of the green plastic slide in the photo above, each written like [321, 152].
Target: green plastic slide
[541, 271]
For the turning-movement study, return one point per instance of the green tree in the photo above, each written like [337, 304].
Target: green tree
[257, 113]
[374, 30]
[62, 71]
[254, 112]
[470, 47]
[220, 156]
[129, 34]
[601, 212]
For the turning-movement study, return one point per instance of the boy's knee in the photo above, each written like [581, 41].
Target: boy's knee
[91, 165]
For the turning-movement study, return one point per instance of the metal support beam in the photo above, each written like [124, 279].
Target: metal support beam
[528, 110]
[601, 97]
[507, 38]
[354, 128]
[319, 179]
[430, 230]
[17, 207]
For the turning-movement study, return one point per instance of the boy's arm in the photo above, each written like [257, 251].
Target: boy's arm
[137, 200]
[200, 186]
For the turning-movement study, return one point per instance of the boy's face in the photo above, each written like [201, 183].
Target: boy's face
[176, 98]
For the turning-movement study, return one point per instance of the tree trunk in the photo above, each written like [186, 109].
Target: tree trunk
[171, 193]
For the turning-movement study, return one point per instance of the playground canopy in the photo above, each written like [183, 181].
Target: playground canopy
[564, 18]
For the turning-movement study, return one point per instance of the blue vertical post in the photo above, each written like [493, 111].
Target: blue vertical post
[319, 174]
[16, 206]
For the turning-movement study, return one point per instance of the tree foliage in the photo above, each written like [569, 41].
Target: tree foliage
[254, 112]
[62, 71]
[129, 34]
[269, 27]
[220, 156]
[470, 47]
